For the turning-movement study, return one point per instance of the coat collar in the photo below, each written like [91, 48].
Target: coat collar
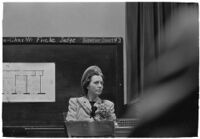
[85, 102]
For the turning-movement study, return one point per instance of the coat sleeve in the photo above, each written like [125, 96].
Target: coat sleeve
[72, 110]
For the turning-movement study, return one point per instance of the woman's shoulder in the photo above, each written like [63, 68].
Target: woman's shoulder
[76, 98]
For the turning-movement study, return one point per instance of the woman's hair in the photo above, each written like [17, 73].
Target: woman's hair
[86, 77]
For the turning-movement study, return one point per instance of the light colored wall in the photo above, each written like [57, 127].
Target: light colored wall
[65, 20]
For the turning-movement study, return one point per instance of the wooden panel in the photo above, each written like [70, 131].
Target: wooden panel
[90, 129]
[34, 131]
[59, 131]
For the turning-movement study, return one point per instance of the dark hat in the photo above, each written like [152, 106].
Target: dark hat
[88, 73]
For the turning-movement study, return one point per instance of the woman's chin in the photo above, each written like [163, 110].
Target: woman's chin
[98, 93]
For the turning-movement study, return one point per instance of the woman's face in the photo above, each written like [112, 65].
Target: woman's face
[96, 85]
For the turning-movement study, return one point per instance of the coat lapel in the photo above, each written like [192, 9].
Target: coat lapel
[85, 104]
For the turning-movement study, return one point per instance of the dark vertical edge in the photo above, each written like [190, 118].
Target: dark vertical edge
[140, 45]
[132, 49]
[119, 97]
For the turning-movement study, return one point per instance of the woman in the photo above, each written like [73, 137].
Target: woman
[90, 107]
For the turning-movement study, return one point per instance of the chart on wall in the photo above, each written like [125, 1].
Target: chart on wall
[28, 82]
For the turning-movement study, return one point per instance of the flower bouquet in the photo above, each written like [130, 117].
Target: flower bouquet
[103, 113]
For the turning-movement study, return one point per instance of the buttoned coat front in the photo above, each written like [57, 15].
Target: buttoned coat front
[79, 109]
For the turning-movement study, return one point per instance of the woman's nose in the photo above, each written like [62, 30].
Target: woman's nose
[100, 85]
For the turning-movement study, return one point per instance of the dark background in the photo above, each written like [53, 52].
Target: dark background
[70, 62]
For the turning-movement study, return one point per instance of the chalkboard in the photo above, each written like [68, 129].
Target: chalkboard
[71, 55]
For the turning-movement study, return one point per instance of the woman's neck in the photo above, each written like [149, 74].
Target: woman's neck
[92, 97]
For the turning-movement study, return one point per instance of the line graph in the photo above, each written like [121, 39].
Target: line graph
[28, 82]
[23, 81]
